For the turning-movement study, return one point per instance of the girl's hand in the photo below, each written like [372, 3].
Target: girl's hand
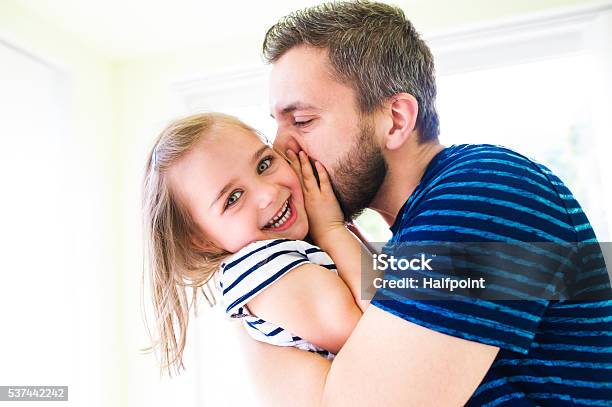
[323, 210]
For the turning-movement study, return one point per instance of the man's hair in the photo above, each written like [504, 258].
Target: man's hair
[372, 47]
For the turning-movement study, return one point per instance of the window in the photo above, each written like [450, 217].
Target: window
[541, 109]
[537, 87]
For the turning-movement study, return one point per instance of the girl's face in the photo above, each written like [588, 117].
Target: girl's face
[238, 190]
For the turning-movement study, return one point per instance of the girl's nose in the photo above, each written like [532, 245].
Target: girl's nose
[267, 194]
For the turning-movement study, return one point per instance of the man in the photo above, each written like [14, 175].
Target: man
[353, 85]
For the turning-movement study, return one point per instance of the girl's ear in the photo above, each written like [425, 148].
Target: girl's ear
[204, 245]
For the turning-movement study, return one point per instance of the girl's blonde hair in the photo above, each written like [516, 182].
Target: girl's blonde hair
[174, 261]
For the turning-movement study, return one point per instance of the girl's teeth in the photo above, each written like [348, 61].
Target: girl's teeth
[276, 223]
[283, 210]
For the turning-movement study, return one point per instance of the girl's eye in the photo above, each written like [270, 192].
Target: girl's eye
[302, 123]
[233, 198]
[264, 164]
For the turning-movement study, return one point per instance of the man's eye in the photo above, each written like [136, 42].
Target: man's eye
[233, 198]
[264, 164]
[302, 123]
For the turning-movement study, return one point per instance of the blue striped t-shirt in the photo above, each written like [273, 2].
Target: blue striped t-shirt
[553, 351]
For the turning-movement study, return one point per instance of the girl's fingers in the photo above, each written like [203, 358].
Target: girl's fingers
[324, 182]
[295, 164]
[293, 160]
[310, 182]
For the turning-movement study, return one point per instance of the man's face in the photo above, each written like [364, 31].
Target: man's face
[316, 113]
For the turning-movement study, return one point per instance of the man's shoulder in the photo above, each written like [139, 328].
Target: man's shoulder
[486, 192]
[484, 169]
[467, 158]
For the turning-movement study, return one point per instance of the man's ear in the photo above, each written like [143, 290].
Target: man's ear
[403, 109]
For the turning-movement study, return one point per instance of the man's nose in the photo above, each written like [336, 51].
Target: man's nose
[284, 141]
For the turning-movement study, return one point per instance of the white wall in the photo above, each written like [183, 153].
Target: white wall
[91, 286]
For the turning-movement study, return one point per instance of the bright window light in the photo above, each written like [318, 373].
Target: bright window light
[541, 109]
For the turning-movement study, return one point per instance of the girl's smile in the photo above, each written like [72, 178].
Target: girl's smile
[284, 218]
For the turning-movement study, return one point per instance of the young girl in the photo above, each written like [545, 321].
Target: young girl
[218, 201]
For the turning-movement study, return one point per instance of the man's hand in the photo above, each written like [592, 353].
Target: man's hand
[324, 213]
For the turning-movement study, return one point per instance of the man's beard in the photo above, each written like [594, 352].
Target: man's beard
[360, 173]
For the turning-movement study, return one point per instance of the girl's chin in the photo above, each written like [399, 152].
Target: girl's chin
[298, 231]
[301, 224]
[302, 231]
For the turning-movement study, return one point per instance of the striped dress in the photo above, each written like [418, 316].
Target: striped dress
[256, 267]
[555, 350]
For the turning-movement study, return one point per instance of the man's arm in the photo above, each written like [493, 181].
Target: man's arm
[386, 361]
